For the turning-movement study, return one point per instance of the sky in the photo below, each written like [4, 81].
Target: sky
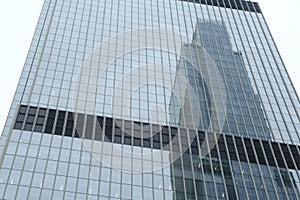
[18, 19]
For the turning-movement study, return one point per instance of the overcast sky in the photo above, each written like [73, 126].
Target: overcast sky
[18, 19]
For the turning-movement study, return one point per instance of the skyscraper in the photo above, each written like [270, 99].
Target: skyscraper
[152, 99]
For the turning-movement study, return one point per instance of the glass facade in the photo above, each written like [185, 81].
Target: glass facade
[159, 99]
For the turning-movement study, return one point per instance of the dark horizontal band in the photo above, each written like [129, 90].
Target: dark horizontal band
[233, 4]
[226, 147]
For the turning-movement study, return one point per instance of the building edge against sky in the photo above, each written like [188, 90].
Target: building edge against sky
[223, 63]
[17, 44]
[280, 32]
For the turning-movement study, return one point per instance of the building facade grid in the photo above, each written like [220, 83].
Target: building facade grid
[159, 99]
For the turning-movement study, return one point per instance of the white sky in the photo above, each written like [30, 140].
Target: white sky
[18, 19]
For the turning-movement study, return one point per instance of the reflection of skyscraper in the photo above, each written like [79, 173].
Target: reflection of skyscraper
[210, 58]
[131, 100]
[210, 52]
